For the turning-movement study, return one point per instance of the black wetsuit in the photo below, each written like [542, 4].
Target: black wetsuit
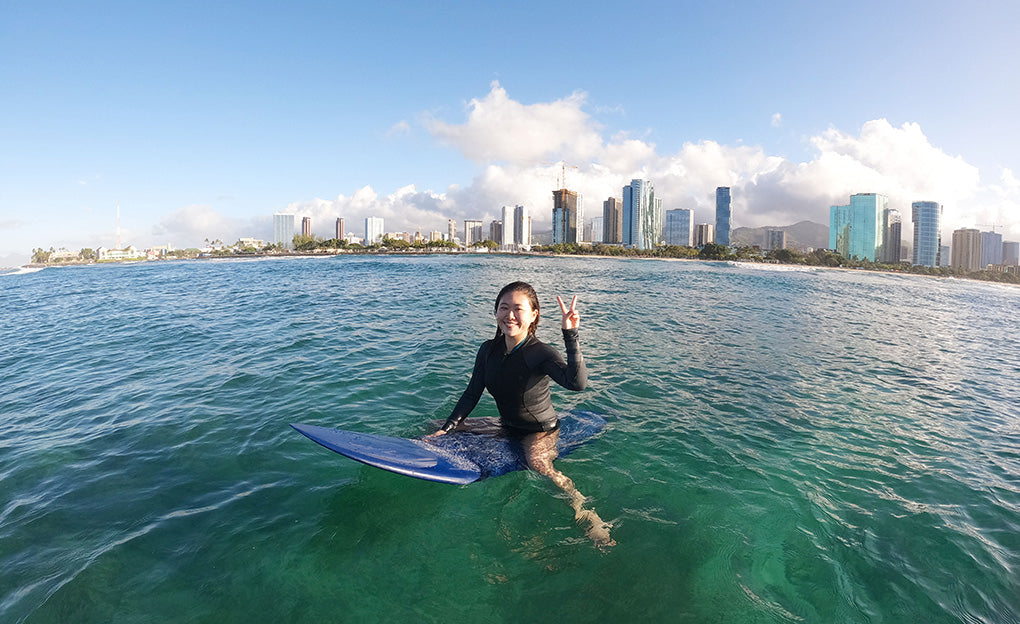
[519, 381]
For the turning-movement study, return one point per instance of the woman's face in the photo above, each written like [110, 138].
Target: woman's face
[514, 315]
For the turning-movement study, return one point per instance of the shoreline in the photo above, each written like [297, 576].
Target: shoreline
[541, 254]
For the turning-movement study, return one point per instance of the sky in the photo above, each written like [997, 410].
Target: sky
[201, 120]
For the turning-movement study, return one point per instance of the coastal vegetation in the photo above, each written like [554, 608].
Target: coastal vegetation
[311, 245]
[818, 257]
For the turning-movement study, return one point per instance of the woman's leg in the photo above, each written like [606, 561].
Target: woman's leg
[539, 452]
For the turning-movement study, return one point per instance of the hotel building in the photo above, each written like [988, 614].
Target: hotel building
[967, 250]
[680, 227]
[373, 230]
[612, 221]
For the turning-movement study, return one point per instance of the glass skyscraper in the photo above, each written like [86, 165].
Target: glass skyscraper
[858, 229]
[927, 218]
[283, 230]
[679, 227]
[642, 215]
[722, 215]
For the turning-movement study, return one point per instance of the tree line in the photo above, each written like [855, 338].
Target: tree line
[818, 257]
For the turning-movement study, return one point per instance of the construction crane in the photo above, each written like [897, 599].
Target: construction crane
[563, 176]
[991, 225]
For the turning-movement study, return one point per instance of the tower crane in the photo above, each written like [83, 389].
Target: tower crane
[991, 225]
[563, 168]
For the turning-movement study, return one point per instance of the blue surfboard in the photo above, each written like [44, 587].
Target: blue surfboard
[474, 451]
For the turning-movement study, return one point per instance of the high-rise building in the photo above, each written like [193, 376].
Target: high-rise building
[566, 216]
[858, 229]
[680, 227]
[945, 255]
[507, 240]
[774, 239]
[893, 236]
[967, 250]
[339, 228]
[642, 215]
[496, 231]
[1011, 253]
[283, 230]
[991, 248]
[704, 233]
[612, 221]
[522, 228]
[595, 231]
[373, 230]
[722, 215]
[927, 218]
[472, 232]
[451, 230]
[306, 226]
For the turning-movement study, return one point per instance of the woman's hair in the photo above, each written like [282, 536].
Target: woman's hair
[522, 287]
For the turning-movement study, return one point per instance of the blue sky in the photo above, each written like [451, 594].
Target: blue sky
[203, 119]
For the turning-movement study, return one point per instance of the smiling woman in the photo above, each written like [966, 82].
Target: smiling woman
[515, 367]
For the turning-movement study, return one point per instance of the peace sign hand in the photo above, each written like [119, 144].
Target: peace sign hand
[571, 319]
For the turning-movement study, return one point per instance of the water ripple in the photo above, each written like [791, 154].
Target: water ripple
[782, 445]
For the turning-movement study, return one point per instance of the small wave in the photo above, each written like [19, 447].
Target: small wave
[758, 266]
[24, 270]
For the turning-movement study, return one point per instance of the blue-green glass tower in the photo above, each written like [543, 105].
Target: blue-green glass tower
[722, 215]
[927, 218]
[858, 229]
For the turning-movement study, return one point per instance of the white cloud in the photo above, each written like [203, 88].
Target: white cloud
[777, 120]
[398, 129]
[501, 129]
[513, 141]
[194, 223]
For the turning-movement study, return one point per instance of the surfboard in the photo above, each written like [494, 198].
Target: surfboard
[475, 451]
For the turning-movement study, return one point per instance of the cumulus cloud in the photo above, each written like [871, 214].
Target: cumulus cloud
[777, 120]
[501, 129]
[197, 222]
[514, 142]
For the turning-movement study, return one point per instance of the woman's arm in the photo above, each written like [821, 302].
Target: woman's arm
[572, 374]
[471, 395]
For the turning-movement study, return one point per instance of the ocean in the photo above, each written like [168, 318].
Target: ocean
[783, 445]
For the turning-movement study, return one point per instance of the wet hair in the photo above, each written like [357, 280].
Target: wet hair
[529, 292]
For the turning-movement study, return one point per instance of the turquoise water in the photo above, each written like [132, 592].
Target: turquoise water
[782, 446]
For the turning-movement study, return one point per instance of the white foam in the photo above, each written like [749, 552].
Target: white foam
[20, 270]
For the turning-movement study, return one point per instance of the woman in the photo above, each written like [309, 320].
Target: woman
[515, 367]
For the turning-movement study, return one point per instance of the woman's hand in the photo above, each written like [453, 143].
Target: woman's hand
[430, 436]
[571, 319]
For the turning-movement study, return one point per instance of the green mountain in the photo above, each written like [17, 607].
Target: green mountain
[801, 236]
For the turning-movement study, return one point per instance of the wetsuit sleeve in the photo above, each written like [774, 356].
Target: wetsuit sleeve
[572, 374]
[472, 394]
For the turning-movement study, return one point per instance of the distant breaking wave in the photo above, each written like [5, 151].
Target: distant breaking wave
[19, 270]
[759, 266]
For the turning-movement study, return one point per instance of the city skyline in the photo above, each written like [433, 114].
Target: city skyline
[221, 138]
